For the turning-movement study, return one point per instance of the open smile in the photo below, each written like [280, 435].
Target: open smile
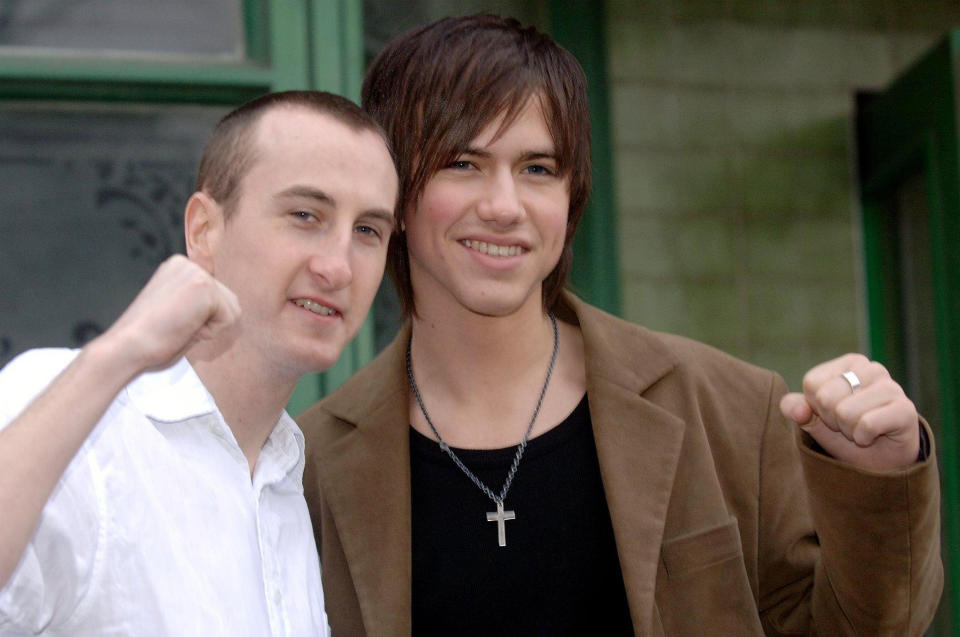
[493, 249]
[316, 308]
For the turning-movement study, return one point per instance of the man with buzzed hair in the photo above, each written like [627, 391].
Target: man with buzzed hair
[151, 481]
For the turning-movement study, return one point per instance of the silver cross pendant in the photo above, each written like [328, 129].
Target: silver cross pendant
[501, 516]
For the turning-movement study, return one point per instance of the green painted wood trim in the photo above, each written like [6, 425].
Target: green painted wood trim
[144, 92]
[256, 31]
[580, 27]
[914, 123]
[883, 301]
[337, 51]
[133, 69]
[289, 44]
[943, 165]
[353, 59]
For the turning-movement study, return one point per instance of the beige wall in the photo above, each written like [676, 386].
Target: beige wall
[735, 179]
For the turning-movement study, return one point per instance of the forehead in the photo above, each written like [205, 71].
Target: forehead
[528, 123]
[294, 145]
[297, 129]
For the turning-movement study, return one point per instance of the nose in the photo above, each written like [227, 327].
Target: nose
[501, 203]
[330, 264]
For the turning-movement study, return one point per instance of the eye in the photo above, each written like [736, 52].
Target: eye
[460, 164]
[375, 234]
[303, 215]
[539, 169]
[368, 230]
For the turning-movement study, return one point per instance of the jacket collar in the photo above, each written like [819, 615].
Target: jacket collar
[364, 473]
[638, 446]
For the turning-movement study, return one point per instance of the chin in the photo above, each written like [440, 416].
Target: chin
[499, 305]
[316, 359]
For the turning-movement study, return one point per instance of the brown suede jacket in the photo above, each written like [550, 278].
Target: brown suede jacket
[726, 520]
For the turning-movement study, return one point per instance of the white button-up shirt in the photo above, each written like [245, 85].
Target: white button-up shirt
[156, 527]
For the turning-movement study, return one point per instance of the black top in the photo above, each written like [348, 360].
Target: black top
[558, 573]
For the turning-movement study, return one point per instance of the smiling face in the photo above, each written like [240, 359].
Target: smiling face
[304, 249]
[490, 226]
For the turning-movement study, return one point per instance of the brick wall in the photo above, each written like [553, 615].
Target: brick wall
[735, 179]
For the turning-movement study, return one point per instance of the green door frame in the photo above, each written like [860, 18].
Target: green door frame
[290, 44]
[910, 126]
[580, 27]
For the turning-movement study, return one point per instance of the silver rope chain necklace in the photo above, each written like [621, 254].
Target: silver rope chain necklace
[499, 516]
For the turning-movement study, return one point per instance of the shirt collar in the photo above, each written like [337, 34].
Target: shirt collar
[176, 394]
[172, 394]
[285, 449]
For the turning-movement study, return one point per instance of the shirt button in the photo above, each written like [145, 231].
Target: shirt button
[276, 597]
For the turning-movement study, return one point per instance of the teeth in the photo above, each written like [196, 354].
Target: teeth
[315, 307]
[493, 249]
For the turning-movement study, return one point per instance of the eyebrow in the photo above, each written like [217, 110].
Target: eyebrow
[539, 154]
[383, 215]
[527, 156]
[307, 192]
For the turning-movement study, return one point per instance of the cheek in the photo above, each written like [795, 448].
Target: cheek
[554, 219]
[422, 227]
[368, 272]
[438, 208]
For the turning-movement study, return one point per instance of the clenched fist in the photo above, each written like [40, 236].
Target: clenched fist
[863, 418]
[180, 304]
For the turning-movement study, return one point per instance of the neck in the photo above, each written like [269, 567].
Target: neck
[469, 352]
[250, 396]
[480, 376]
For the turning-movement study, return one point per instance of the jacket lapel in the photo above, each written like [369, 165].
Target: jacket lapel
[365, 470]
[365, 477]
[638, 445]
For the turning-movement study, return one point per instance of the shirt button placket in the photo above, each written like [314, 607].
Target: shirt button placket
[271, 574]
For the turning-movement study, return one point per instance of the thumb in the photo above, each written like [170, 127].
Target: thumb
[796, 408]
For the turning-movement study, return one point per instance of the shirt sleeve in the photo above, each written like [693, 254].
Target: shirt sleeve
[55, 569]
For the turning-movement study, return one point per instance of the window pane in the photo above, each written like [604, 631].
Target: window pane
[92, 203]
[210, 27]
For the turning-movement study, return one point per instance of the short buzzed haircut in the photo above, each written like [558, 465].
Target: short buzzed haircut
[230, 151]
[436, 88]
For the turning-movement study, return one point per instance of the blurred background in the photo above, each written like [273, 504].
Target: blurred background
[778, 178]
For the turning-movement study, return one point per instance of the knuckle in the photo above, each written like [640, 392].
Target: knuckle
[906, 408]
[877, 370]
[822, 397]
[890, 388]
[858, 359]
[810, 383]
[846, 412]
[868, 421]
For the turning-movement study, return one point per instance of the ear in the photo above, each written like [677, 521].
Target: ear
[203, 228]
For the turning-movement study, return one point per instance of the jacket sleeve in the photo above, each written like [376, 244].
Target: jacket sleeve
[844, 551]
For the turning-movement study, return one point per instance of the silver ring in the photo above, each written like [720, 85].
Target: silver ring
[852, 379]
